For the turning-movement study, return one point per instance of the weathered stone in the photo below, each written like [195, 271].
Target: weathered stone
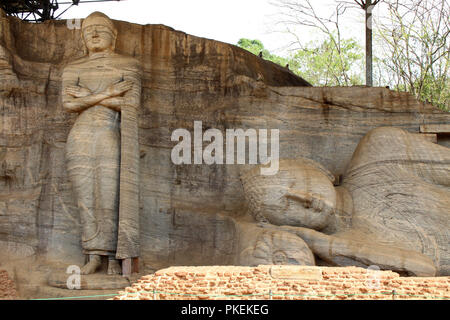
[89, 282]
[401, 197]
[275, 198]
[102, 154]
[432, 137]
[14, 250]
[258, 246]
[435, 128]
[191, 214]
[393, 209]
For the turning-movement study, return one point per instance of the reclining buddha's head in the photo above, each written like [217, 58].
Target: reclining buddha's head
[300, 194]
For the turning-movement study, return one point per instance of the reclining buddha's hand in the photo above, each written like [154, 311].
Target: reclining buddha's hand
[309, 200]
[343, 251]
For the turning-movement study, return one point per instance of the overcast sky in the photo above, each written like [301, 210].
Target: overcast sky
[223, 20]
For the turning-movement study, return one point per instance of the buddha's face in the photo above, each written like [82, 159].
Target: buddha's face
[298, 195]
[98, 38]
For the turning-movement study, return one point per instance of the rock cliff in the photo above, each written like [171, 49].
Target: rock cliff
[186, 211]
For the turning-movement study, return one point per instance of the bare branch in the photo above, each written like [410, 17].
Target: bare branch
[418, 38]
[361, 3]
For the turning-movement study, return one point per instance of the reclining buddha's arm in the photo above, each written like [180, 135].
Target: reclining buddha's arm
[341, 251]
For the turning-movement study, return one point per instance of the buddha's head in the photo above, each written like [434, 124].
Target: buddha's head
[300, 194]
[99, 33]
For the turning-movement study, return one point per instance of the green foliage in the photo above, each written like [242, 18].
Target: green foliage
[435, 91]
[322, 64]
[326, 64]
[256, 47]
[412, 46]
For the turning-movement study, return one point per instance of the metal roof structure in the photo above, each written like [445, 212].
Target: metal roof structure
[40, 10]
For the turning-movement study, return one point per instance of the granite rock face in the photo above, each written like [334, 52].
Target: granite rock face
[189, 214]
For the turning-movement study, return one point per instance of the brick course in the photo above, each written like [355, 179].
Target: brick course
[282, 282]
[7, 287]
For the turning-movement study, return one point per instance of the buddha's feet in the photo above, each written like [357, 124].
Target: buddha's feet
[114, 266]
[94, 263]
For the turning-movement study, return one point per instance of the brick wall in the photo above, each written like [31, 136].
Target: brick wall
[7, 287]
[283, 282]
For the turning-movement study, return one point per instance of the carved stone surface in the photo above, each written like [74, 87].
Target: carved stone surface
[391, 211]
[190, 214]
[96, 281]
[400, 185]
[272, 247]
[300, 194]
[9, 79]
[104, 89]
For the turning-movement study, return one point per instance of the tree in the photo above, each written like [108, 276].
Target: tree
[305, 13]
[323, 65]
[415, 44]
[319, 63]
[256, 47]
[412, 52]
[368, 6]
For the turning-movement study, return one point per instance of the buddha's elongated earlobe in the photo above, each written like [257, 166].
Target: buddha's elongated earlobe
[113, 46]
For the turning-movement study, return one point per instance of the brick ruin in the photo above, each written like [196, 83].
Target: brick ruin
[7, 287]
[283, 283]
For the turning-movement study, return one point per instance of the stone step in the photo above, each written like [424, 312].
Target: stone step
[435, 128]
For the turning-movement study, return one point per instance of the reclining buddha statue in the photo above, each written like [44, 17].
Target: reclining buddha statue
[391, 210]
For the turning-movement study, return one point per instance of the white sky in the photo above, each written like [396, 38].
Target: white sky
[223, 20]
